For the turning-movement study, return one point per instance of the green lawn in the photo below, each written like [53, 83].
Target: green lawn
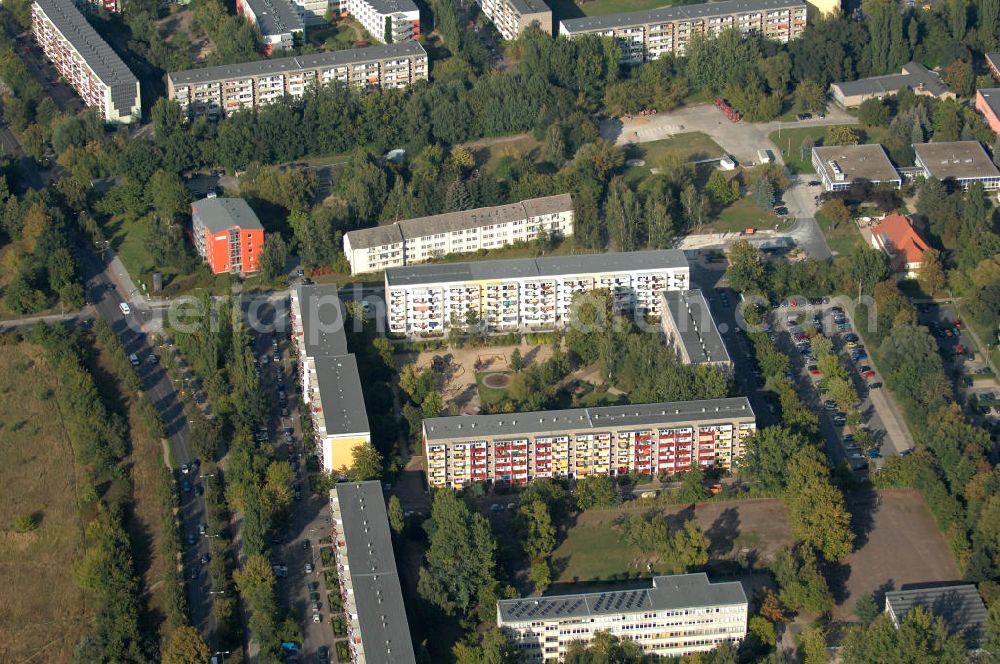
[844, 239]
[519, 147]
[593, 553]
[789, 142]
[741, 215]
[489, 395]
[691, 147]
[337, 37]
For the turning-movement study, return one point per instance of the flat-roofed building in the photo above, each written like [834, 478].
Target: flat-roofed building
[689, 327]
[278, 21]
[646, 35]
[526, 294]
[312, 12]
[958, 164]
[418, 240]
[679, 615]
[838, 166]
[331, 384]
[993, 64]
[215, 91]
[646, 439]
[988, 103]
[959, 605]
[511, 17]
[377, 630]
[227, 234]
[85, 61]
[913, 75]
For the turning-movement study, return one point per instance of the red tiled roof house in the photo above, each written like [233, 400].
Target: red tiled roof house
[896, 236]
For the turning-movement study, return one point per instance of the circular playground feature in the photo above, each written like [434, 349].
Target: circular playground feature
[496, 381]
[635, 162]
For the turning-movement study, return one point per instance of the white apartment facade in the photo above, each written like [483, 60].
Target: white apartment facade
[422, 239]
[403, 17]
[217, 91]
[525, 294]
[511, 17]
[679, 615]
[312, 12]
[644, 36]
[85, 61]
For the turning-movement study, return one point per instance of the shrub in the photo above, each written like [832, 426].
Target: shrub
[25, 523]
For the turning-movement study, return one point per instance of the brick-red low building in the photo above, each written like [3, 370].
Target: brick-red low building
[227, 234]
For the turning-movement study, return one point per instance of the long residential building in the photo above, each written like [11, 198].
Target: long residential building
[646, 35]
[418, 240]
[331, 385]
[85, 61]
[680, 614]
[511, 17]
[526, 294]
[377, 630]
[646, 439]
[690, 328]
[215, 91]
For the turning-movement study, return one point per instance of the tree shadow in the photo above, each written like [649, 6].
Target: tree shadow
[723, 532]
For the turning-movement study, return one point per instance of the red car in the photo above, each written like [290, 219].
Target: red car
[814, 370]
[958, 323]
[868, 374]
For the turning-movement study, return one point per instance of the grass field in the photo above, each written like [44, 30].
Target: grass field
[789, 142]
[42, 612]
[489, 395]
[690, 147]
[842, 240]
[741, 215]
[488, 155]
[339, 36]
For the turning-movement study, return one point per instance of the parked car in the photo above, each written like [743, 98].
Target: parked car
[851, 337]
[840, 420]
[201, 529]
[133, 360]
[877, 385]
[308, 568]
[317, 618]
[814, 370]
[124, 308]
[868, 374]
[186, 486]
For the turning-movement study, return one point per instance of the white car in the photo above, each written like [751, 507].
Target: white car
[125, 308]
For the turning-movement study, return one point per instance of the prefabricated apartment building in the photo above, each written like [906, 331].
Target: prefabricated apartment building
[526, 294]
[418, 240]
[646, 439]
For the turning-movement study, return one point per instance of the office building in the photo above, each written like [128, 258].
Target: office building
[377, 630]
[401, 16]
[913, 75]
[331, 384]
[85, 61]
[901, 242]
[227, 234]
[511, 17]
[679, 615]
[959, 605]
[418, 240]
[957, 164]
[646, 35]
[839, 166]
[525, 294]
[646, 439]
[279, 21]
[689, 327]
[215, 91]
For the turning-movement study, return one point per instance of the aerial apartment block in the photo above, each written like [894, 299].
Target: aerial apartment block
[216, 91]
[646, 35]
[418, 240]
[401, 16]
[312, 12]
[227, 234]
[646, 439]
[331, 385]
[526, 294]
[85, 61]
[511, 17]
[278, 21]
[377, 630]
[690, 328]
[680, 614]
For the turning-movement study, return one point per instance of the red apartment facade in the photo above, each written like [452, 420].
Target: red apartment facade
[227, 234]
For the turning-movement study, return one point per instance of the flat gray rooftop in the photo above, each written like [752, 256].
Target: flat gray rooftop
[672, 13]
[276, 17]
[857, 162]
[323, 320]
[104, 62]
[525, 7]
[535, 267]
[574, 419]
[341, 396]
[456, 221]
[385, 633]
[668, 592]
[298, 63]
[956, 160]
[959, 605]
[221, 214]
[696, 329]
[992, 96]
[393, 6]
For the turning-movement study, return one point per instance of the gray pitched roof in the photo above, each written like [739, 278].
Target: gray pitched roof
[692, 317]
[221, 214]
[561, 421]
[341, 396]
[297, 63]
[535, 267]
[385, 634]
[914, 75]
[959, 605]
[276, 17]
[104, 62]
[454, 221]
[668, 592]
[672, 13]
